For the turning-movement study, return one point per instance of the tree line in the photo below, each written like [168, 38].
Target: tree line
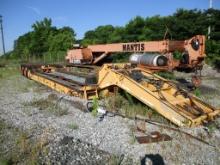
[43, 40]
[183, 24]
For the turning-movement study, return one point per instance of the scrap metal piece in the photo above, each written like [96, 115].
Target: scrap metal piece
[153, 137]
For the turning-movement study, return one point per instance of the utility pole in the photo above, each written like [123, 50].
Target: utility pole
[2, 34]
[209, 28]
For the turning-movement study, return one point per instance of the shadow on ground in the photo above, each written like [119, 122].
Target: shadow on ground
[154, 159]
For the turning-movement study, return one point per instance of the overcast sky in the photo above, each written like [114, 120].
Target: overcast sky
[83, 15]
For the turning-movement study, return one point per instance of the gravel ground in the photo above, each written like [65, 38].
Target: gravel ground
[69, 150]
[210, 87]
[80, 138]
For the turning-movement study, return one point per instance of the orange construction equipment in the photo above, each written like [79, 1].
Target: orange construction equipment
[191, 51]
[137, 77]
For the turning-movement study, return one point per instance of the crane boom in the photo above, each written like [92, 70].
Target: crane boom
[192, 51]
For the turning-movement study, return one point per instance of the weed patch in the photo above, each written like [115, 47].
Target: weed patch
[19, 147]
[95, 105]
[73, 126]
[197, 92]
[7, 72]
[132, 134]
[212, 127]
[46, 105]
[52, 97]
[129, 106]
[116, 160]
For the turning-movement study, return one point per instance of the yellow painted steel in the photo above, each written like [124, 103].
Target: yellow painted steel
[58, 87]
[167, 99]
[83, 93]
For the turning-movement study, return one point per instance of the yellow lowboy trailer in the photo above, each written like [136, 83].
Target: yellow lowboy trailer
[175, 104]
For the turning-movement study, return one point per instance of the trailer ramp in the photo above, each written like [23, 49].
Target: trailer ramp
[175, 104]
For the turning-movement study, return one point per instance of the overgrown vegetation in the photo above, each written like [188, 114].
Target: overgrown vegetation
[197, 92]
[117, 160]
[177, 55]
[124, 103]
[18, 147]
[95, 106]
[44, 43]
[48, 105]
[6, 72]
[213, 52]
[132, 134]
[10, 76]
[213, 126]
[73, 126]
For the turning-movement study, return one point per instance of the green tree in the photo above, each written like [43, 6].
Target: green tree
[213, 17]
[187, 23]
[118, 35]
[134, 29]
[44, 39]
[101, 35]
[62, 40]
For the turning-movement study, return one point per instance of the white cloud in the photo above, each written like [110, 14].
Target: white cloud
[34, 9]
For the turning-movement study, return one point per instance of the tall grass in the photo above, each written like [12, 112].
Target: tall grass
[8, 71]
[47, 57]
[122, 102]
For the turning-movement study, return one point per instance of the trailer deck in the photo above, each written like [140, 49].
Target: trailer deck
[172, 102]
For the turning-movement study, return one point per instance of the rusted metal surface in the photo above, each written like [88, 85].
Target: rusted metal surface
[196, 81]
[153, 137]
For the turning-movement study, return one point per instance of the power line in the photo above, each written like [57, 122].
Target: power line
[209, 28]
[1, 28]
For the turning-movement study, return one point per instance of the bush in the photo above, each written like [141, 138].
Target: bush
[197, 92]
[213, 53]
[129, 106]
[95, 106]
[177, 55]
